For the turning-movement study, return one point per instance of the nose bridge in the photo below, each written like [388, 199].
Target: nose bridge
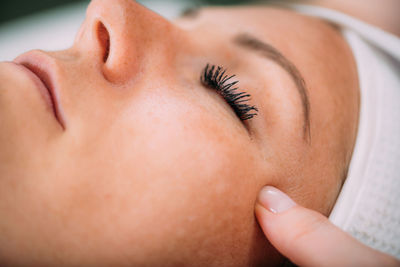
[134, 33]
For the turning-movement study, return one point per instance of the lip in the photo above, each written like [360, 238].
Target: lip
[40, 74]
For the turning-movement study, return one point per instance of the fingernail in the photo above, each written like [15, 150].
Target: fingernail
[275, 200]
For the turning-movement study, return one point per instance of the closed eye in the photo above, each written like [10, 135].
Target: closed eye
[214, 77]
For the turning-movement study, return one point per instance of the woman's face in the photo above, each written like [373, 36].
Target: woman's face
[141, 164]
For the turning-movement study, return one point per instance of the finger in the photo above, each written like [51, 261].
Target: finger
[307, 237]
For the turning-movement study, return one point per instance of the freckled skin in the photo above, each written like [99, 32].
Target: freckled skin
[152, 168]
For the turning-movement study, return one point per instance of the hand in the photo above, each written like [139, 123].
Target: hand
[308, 238]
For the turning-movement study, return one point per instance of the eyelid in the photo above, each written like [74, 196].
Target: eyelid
[214, 77]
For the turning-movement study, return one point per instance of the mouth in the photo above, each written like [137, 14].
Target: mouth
[41, 75]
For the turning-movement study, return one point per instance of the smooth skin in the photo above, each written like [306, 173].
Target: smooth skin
[151, 168]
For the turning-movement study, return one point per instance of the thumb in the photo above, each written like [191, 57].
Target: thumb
[307, 237]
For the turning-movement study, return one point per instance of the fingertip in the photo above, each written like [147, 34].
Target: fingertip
[265, 218]
[275, 200]
[259, 209]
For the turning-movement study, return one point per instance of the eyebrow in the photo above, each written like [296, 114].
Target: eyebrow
[266, 50]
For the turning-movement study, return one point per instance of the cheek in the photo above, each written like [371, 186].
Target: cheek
[181, 188]
[191, 191]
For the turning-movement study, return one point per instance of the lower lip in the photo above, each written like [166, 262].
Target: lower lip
[44, 92]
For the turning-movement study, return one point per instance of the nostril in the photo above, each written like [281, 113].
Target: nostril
[104, 39]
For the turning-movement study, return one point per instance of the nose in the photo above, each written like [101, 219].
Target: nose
[119, 36]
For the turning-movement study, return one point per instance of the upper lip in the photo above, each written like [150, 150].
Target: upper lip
[44, 68]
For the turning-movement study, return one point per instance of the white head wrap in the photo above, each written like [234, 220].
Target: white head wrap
[368, 206]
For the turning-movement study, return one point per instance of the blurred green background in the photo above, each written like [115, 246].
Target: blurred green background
[14, 9]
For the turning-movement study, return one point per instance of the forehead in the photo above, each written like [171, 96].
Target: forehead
[304, 40]
[246, 15]
[267, 22]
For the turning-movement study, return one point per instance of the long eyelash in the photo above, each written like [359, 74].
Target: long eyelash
[214, 77]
